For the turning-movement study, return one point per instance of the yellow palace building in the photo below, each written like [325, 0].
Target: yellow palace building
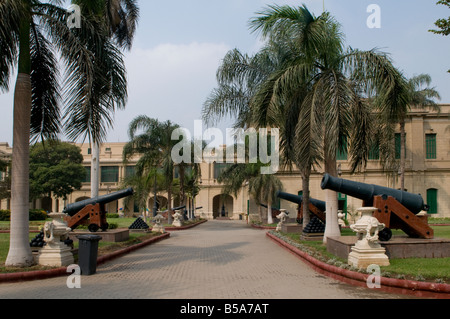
[427, 173]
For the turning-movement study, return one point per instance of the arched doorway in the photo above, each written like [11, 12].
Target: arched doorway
[222, 206]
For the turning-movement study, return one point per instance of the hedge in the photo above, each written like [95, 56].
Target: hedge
[35, 215]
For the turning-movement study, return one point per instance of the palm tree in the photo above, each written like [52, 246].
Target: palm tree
[155, 145]
[328, 85]
[30, 35]
[92, 102]
[394, 108]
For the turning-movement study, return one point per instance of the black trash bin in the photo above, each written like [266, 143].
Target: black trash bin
[87, 254]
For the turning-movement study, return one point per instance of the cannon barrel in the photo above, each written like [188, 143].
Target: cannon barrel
[298, 199]
[366, 192]
[73, 209]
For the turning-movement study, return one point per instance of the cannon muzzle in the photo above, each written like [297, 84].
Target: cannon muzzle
[298, 199]
[366, 192]
[74, 208]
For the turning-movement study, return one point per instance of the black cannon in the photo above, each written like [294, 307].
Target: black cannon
[396, 209]
[94, 210]
[316, 207]
[275, 211]
[165, 213]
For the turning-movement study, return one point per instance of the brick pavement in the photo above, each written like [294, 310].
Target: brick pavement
[215, 260]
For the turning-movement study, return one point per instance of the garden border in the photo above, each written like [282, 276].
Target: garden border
[62, 271]
[390, 285]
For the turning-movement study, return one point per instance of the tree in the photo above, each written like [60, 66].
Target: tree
[31, 33]
[55, 169]
[443, 24]
[24, 45]
[109, 27]
[394, 108]
[329, 86]
[154, 144]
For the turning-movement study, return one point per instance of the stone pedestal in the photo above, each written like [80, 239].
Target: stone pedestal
[291, 228]
[55, 256]
[362, 258]
[55, 253]
[367, 250]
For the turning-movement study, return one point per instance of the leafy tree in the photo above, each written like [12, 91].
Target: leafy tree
[327, 85]
[32, 33]
[55, 169]
[152, 140]
[443, 24]
[408, 94]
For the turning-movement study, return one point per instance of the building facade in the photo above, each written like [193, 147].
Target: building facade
[427, 173]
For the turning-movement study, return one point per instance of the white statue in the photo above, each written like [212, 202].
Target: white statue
[56, 253]
[158, 227]
[283, 216]
[367, 250]
[177, 219]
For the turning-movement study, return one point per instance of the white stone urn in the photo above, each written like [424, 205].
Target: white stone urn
[367, 250]
[158, 227]
[177, 219]
[56, 253]
[282, 216]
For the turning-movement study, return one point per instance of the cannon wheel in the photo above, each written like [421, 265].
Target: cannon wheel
[385, 234]
[93, 228]
[105, 227]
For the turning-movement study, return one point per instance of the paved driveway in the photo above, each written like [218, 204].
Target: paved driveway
[216, 260]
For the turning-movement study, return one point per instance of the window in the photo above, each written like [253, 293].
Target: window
[374, 153]
[432, 201]
[342, 153]
[110, 174]
[130, 171]
[219, 168]
[430, 145]
[87, 177]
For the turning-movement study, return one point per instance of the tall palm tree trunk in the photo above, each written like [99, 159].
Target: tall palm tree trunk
[95, 169]
[332, 225]
[19, 254]
[305, 201]
[269, 212]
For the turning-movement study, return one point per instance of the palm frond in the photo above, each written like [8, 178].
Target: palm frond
[45, 112]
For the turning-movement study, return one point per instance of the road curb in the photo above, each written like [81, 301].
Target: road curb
[390, 285]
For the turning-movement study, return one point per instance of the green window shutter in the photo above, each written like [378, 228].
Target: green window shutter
[432, 200]
[374, 153]
[430, 144]
[219, 168]
[342, 153]
[110, 174]
[87, 177]
[130, 171]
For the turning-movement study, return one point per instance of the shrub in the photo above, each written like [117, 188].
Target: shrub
[113, 225]
[112, 215]
[37, 215]
[5, 215]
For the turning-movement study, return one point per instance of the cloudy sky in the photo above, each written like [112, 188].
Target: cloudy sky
[180, 44]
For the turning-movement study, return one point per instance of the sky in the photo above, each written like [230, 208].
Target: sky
[180, 44]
